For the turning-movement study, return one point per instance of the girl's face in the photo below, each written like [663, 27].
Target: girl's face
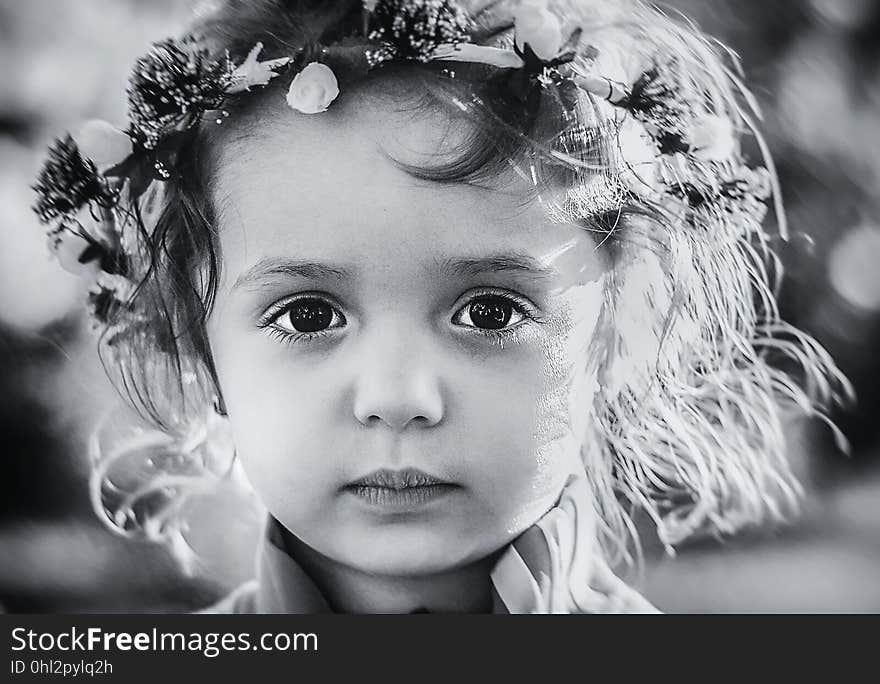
[369, 323]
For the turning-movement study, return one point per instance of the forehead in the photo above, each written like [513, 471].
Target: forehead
[329, 187]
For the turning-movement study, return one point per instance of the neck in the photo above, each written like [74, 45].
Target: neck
[348, 590]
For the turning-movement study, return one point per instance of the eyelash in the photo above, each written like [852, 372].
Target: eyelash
[522, 306]
[276, 311]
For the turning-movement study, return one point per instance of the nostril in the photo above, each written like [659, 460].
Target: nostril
[397, 422]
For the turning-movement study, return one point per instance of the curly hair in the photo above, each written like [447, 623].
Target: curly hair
[688, 423]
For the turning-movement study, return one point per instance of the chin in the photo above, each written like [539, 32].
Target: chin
[408, 553]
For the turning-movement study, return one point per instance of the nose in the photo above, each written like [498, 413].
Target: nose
[397, 384]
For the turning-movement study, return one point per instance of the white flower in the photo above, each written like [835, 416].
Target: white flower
[712, 138]
[370, 5]
[539, 27]
[68, 243]
[478, 54]
[68, 247]
[102, 143]
[121, 287]
[313, 89]
[252, 72]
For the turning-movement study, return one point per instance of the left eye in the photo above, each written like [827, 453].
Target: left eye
[489, 312]
[308, 315]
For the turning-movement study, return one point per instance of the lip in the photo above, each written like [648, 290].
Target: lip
[400, 489]
[399, 479]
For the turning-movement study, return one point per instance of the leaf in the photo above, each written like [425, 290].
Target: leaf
[139, 180]
[569, 94]
[572, 42]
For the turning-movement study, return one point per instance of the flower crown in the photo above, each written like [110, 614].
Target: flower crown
[89, 187]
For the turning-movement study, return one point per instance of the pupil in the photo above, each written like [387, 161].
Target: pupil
[491, 313]
[310, 315]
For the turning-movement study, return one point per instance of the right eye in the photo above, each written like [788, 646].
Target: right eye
[306, 315]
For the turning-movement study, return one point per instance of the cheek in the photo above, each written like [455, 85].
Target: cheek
[543, 415]
[570, 365]
[278, 415]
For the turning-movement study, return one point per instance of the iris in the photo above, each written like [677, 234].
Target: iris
[490, 313]
[310, 315]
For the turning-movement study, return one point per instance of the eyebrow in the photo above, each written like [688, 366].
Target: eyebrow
[271, 268]
[498, 263]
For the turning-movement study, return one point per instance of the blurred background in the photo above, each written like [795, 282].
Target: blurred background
[815, 68]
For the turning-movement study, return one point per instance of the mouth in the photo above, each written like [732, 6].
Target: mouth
[400, 489]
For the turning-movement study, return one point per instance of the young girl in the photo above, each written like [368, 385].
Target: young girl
[463, 287]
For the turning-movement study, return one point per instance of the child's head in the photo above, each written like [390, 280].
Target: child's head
[437, 274]
[369, 319]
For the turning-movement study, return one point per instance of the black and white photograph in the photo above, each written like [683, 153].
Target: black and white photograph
[439, 306]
